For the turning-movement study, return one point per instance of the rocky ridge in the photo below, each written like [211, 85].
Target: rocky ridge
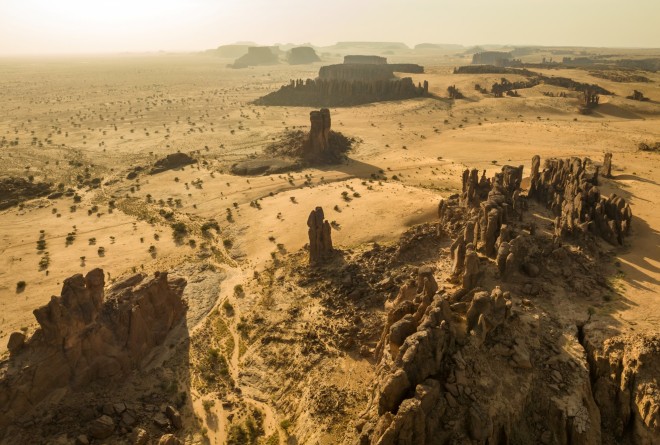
[88, 334]
[466, 364]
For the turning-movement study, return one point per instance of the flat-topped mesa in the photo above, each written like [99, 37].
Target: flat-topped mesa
[86, 334]
[320, 236]
[257, 56]
[366, 60]
[302, 55]
[568, 188]
[382, 61]
[356, 72]
[349, 84]
[495, 58]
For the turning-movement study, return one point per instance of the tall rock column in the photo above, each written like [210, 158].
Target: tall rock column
[320, 236]
[318, 142]
[607, 165]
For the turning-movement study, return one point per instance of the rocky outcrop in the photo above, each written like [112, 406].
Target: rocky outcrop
[472, 376]
[257, 56]
[472, 365]
[568, 188]
[624, 372]
[171, 162]
[320, 236]
[454, 92]
[87, 334]
[296, 148]
[638, 95]
[607, 165]
[13, 191]
[318, 142]
[302, 55]
[533, 79]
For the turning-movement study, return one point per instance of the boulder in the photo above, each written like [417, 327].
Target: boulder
[169, 439]
[102, 428]
[16, 342]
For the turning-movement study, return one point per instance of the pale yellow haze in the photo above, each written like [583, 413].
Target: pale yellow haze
[93, 26]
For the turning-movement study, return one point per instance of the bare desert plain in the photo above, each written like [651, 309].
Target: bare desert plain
[272, 350]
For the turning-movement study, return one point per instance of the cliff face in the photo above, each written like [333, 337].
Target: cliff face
[87, 335]
[361, 72]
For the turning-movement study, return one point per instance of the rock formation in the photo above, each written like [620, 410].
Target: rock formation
[349, 84]
[257, 56]
[318, 142]
[624, 376]
[171, 162]
[302, 55]
[454, 93]
[638, 95]
[533, 79]
[407, 68]
[87, 334]
[589, 100]
[297, 148]
[342, 93]
[607, 165]
[568, 188]
[320, 236]
[479, 366]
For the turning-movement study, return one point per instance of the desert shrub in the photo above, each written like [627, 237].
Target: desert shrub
[179, 229]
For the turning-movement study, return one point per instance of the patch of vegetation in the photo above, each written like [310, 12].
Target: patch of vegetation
[179, 230]
[229, 309]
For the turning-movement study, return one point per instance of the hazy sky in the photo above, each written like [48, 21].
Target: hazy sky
[85, 26]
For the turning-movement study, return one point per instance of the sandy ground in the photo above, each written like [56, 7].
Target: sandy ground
[60, 119]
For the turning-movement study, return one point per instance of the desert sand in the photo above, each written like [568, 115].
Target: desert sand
[65, 121]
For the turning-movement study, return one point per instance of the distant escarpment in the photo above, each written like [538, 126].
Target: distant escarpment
[349, 84]
[87, 334]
